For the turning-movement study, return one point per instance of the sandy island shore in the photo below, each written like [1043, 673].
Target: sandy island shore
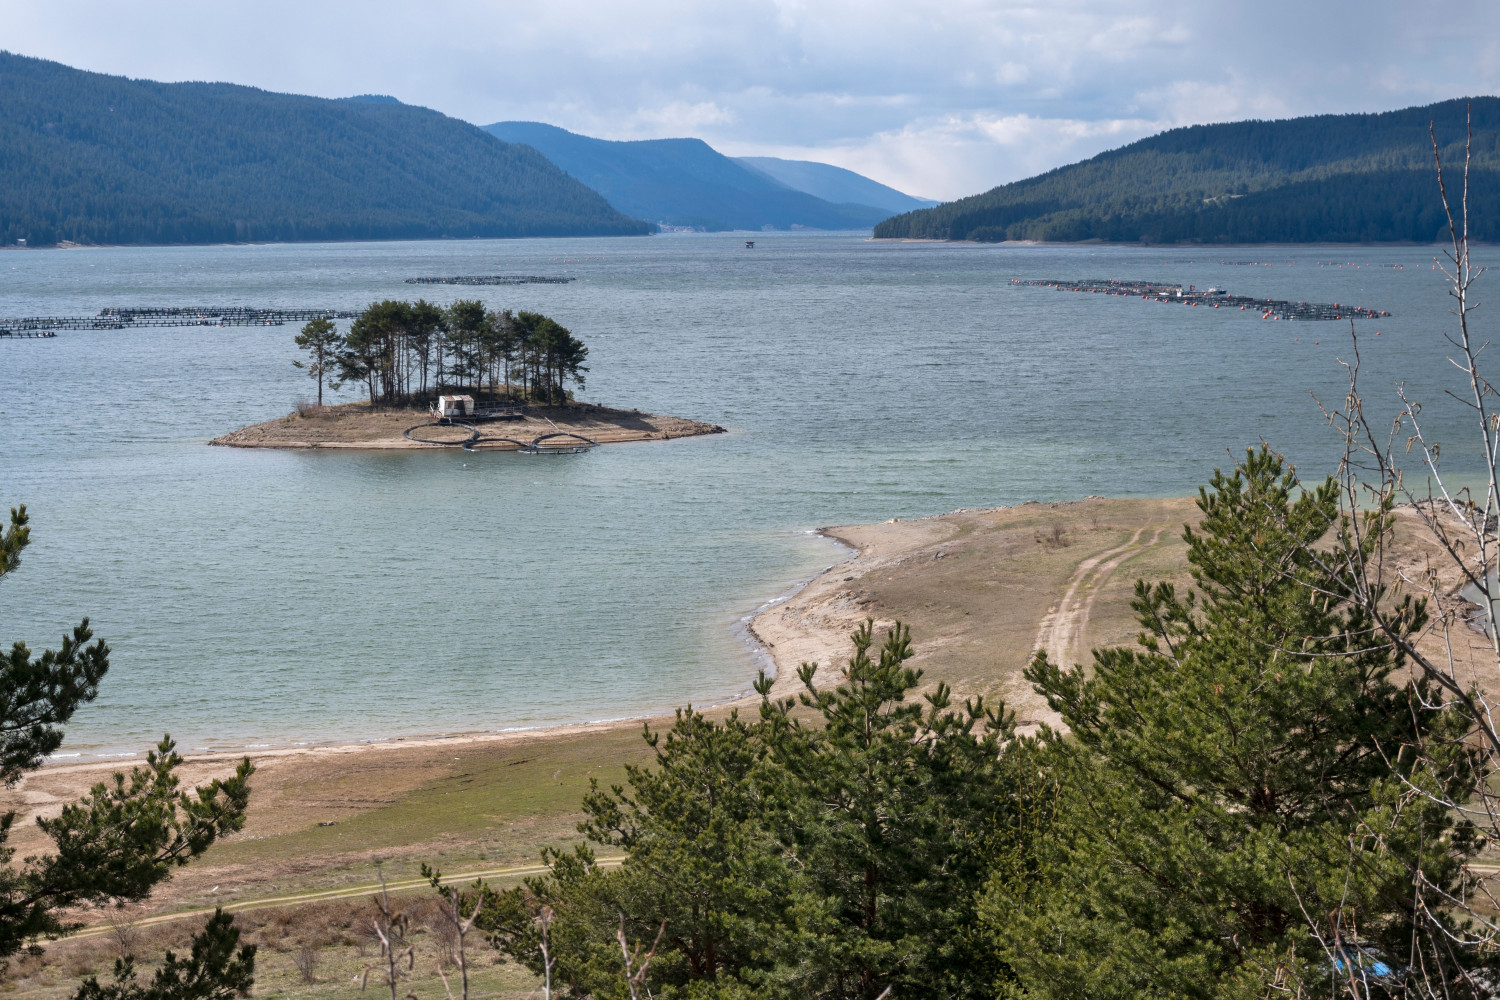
[356, 425]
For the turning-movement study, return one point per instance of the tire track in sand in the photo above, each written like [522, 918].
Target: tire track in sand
[1062, 628]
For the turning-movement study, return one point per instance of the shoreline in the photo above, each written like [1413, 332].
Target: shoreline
[977, 587]
[808, 621]
[761, 651]
[982, 590]
[743, 628]
[811, 619]
[53, 765]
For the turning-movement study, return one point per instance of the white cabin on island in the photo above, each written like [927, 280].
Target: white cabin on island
[455, 406]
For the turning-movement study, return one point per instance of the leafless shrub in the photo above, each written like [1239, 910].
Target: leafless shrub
[445, 938]
[1457, 650]
[365, 937]
[307, 960]
[1055, 537]
[636, 964]
[124, 927]
[450, 927]
[81, 964]
[305, 407]
[390, 927]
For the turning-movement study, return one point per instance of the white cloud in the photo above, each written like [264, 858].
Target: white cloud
[675, 119]
[1198, 102]
[950, 158]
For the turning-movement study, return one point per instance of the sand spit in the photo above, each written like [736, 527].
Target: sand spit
[982, 590]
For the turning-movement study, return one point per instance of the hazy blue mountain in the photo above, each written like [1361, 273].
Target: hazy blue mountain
[834, 184]
[1364, 178]
[104, 159]
[684, 182]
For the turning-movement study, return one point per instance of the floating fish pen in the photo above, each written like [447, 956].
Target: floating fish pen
[491, 279]
[232, 315]
[1213, 298]
[1288, 262]
[124, 318]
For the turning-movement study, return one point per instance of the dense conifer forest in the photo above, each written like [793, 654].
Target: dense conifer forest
[90, 158]
[1330, 178]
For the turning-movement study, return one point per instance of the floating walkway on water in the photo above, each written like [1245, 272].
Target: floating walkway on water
[1214, 298]
[491, 279]
[555, 443]
[126, 318]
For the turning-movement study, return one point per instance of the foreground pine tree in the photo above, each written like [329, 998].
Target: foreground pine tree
[1239, 803]
[832, 848]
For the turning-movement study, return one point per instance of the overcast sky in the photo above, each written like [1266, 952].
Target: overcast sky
[938, 99]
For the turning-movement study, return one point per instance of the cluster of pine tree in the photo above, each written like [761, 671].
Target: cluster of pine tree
[404, 352]
[1234, 811]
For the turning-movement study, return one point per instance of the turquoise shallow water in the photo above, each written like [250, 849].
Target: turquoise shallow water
[262, 598]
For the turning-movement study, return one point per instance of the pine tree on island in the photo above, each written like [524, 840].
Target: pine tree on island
[320, 339]
[408, 352]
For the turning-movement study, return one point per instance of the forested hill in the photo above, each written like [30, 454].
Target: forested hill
[103, 159]
[1330, 178]
[684, 182]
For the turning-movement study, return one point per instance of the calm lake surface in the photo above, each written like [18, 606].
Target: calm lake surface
[256, 598]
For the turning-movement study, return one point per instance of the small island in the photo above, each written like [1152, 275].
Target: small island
[436, 377]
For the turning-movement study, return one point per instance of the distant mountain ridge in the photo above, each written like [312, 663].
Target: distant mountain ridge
[835, 184]
[90, 158]
[684, 182]
[1357, 178]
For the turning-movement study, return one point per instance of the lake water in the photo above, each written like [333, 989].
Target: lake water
[258, 598]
